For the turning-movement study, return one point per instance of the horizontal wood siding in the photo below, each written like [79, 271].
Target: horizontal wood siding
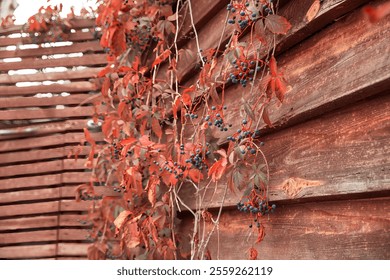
[40, 137]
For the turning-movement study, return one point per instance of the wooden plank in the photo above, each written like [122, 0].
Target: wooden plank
[30, 195]
[27, 252]
[44, 128]
[45, 141]
[36, 63]
[26, 237]
[50, 193]
[72, 205]
[44, 154]
[42, 167]
[352, 229]
[325, 72]
[29, 209]
[39, 113]
[294, 11]
[84, 47]
[72, 234]
[202, 12]
[68, 220]
[78, 36]
[29, 223]
[74, 23]
[45, 180]
[51, 76]
[73, 99]
[349, 150]
[72, 249]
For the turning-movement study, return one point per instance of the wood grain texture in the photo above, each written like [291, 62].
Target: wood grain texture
[29, 209]
[16, 184]
[52, 113]
[29, 223]
[46, 141]
[42, 167]
[326, 72]
[72, 249]
[44, 128]
[44, 154]
[84, 47]
[294, 11]
[343, 153]
[74, 23]
[73, 99]
[352, 229]
[28, 252]
[52, 76]
[78, 36]
[37, 63]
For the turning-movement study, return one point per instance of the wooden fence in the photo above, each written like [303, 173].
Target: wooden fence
[41, 125]
[328, 156]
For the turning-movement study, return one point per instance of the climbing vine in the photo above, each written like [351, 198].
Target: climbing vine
[158, 130]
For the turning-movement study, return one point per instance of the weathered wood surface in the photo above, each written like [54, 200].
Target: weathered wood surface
[73, 99]
[28, 252]
[40, 208]
[29, 223]
[44, 154]
[343, 153]
[44, 128]
[78, 36]
[44, 180]
[68, 192]
[37, 63]
[52, 113]
[294, 11]
[42, 236]
[351, 229]
[74, 23]
[84, 47]
[326, 72]
[52, 76]
[46, 141]
[42, 167]
[44, 251]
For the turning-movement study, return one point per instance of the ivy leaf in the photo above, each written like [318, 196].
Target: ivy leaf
[266, 118]
[161, 58]
[277, 24]
[248, 110]
[120, 220]
[218, 168]
[156, 127]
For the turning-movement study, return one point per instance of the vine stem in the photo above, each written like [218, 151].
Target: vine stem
[195, 32]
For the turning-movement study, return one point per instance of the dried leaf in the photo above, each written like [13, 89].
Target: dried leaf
[248, 110]
[277, 24]
[156, 127]
[266, 118]
[313, 10]
[162, 57]
[120, 220]
[253, 254]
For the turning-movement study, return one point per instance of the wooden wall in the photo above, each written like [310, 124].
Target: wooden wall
[329, 153]
[41, 125]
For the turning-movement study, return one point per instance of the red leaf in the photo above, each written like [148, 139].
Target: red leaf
[277, 24]
[186, 99]
[281, 89]
[253, 254]
[161, 57]
[119, 221]
[153, 182]
[273, 67]
[375, 14]
[266, 118]
[156, 127]
[88, 137]
[105, 87]
[195, 175]
[218, 168]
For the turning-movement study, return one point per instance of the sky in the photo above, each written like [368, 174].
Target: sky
[27, 8]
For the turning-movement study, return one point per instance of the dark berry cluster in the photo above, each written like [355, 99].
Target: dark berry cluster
[244, 12]
[216, 119]
[260, 207]
[171, 167]
[244, 71]
[197, 161]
